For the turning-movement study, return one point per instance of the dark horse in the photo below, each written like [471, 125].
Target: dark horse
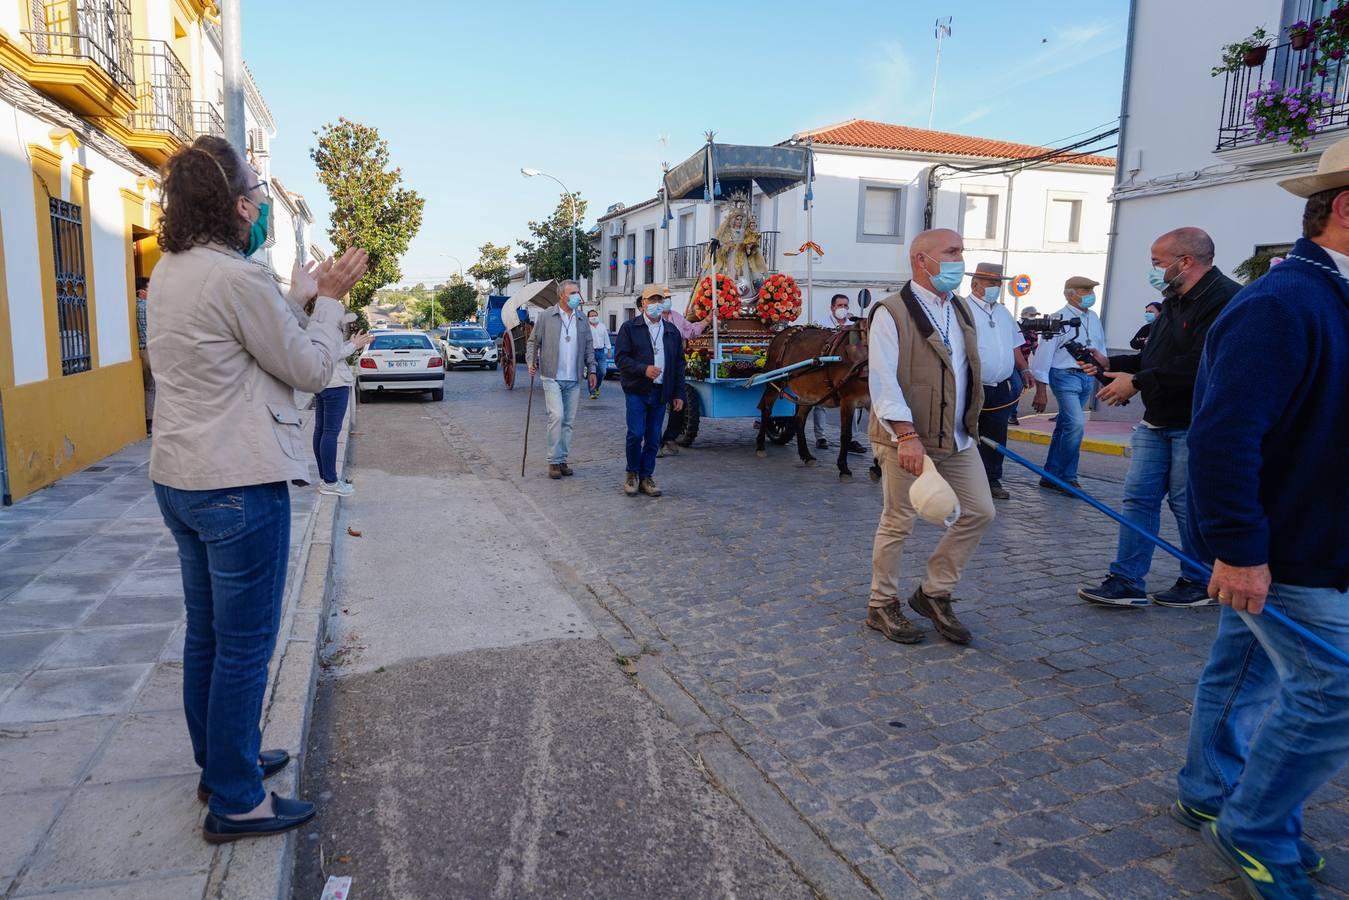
[841, 385]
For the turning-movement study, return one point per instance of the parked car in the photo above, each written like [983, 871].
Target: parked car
[612, 372]
[469, 345]
[401, 361]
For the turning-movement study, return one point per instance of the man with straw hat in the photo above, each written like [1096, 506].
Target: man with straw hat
[1000, 361]
[1269, 507]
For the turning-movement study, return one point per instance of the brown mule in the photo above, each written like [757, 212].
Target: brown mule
[841, 385]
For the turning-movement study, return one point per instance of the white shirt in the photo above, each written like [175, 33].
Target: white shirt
[566, 350]
[1050, 353]
[887, 397]
[829, 321]
[656, 333]
[998, 338]
[600, 335]
[1340, 260]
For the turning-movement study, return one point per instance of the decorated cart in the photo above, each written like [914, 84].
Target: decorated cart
[517, 316]
[745, 303]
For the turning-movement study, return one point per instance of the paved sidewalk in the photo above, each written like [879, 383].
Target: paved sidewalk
[97, 778]
[1109, 438]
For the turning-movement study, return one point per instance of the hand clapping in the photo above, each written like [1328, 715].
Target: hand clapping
[336, 277]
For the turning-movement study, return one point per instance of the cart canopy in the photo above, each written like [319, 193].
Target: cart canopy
[539, 294]
[737, 167]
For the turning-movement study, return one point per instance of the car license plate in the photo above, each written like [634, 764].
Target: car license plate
[401, 364]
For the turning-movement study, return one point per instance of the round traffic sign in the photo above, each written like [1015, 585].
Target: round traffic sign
[1020, 285]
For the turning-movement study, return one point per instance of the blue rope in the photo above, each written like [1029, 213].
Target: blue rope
[1175, 551]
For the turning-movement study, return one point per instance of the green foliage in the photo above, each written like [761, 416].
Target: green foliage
[1257, 265]
[371, 208]
[493, 266]
[548, 252]
[458, 300]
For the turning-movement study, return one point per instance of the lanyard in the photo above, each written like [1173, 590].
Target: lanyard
[656, 337]
[944, 332]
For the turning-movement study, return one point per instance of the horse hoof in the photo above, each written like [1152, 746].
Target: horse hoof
[845, 476]
[761, 454]
[811, 463]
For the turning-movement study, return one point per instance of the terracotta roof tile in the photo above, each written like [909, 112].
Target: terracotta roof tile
[883, 136]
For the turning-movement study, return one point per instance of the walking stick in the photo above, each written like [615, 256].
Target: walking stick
[529, 412]
[1175, 551]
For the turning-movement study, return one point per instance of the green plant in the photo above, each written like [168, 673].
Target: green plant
[1234, 55]
[547, 253]
[494, 265]
[1256, 265]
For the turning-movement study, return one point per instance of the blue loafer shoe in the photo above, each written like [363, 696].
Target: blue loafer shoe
[272, 761]
[289, 814]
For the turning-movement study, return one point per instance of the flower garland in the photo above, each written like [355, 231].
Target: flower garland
[728, 299]
[779, 300]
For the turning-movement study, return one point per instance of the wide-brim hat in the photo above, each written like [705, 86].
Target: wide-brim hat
[1332, 171]
[990, 271]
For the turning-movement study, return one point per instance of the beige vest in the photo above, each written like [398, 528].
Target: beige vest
[926, 376]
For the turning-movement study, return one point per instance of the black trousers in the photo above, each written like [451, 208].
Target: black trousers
[993, 425]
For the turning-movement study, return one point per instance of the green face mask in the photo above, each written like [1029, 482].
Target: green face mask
[257, 232]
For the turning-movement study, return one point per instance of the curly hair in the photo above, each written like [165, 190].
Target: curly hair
[201, 183]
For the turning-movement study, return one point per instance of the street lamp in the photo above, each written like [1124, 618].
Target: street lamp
[531, 173]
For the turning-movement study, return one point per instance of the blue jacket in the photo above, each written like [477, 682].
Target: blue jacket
[1269, 444]
[633, 353]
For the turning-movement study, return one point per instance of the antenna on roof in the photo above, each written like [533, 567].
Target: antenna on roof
[942, 29]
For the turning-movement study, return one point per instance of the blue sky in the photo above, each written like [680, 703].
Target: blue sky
[467, 93]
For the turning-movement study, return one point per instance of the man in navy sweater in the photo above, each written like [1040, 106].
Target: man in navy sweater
[1269, 500]
[649, 353]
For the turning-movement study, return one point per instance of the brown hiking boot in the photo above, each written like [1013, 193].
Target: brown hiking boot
[565, 469]
[554, 471]
[938, 609]
[630, 484]
[889, 620]
[648, 487]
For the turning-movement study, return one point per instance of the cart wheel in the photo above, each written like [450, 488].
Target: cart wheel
[506, 353]
[692, 415]
[781, 429]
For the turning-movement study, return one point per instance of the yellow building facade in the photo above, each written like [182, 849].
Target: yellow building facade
[94, 96]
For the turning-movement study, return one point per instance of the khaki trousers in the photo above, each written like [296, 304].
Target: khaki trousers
[964, 471]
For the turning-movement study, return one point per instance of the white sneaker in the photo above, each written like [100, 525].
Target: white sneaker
[337, 488]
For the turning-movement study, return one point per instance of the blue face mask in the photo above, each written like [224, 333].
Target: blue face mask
[991, 294]
[1088, 301]
[1149, 317]
[950, 276]
[574, 301]
[257, 232]
[654, 310]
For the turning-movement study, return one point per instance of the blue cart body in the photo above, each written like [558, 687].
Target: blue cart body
[727, 398]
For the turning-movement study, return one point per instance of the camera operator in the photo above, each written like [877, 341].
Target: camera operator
[1054, 366]
[1193, 293]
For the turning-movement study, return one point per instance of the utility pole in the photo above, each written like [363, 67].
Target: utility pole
[233, 39]
[943, 29]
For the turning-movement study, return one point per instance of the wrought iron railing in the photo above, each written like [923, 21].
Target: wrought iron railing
[207, 119]
[96, 30]
[72, 299]
[1288, 68]
[163, 91]
[686, 263]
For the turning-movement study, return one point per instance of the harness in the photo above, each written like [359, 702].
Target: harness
[831, 348]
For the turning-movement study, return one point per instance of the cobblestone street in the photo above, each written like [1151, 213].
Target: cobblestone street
[1039, 760]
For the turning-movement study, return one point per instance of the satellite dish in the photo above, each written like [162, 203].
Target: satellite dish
[864, 298]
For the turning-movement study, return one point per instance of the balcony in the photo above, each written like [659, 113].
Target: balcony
[163, 119]
[686, 262]
[1290, 68]
[82, 55]
[207, 119]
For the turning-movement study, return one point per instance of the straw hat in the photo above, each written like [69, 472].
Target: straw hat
[1331, 172]
[933, 497]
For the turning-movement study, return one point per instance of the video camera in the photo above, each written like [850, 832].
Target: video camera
[1049, 326]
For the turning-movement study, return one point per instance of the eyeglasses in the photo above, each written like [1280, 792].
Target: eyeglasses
[266, 192]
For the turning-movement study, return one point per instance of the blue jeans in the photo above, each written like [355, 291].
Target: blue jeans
[1259, 775]
[1157, 468]
[232, 548]
[601, 366]
[646, 416]
[560, 398]
[1073, 390]
[330, 410]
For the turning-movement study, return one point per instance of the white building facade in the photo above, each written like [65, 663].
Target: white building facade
[1185, 155]
[870, 198]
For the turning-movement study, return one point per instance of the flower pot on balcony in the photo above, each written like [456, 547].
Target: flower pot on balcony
[1254, 56]
[1300, 40]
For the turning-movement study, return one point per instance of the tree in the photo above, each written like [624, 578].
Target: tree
[371, 208]
[548, 254]
[458, 300]
[493, 266]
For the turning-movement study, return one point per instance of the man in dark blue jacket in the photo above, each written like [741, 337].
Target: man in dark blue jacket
[1269, 501]
[649, 354]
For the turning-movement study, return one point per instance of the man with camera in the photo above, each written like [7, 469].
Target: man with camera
[1055, 366]
[1194, 292]
[1000, 364]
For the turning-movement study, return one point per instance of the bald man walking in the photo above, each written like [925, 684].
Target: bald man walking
[1194, 292]
[925, 399]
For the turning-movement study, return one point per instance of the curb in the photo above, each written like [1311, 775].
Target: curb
[245, 870]
[1091, 445]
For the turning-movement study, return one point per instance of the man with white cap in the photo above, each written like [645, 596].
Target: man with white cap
[925, 401]
[1073, 388]
[1000, 360]
[1269, 502]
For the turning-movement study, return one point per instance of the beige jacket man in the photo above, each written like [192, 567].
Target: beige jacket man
[229, 352]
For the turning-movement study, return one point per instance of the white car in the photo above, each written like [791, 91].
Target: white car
[401, 361]
[469, 345]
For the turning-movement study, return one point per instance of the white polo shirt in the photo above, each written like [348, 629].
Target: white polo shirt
[998, 335]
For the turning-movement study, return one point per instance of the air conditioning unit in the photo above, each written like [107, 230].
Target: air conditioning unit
[618, 227]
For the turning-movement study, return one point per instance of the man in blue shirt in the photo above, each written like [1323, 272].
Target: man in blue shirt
[1269, 501]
